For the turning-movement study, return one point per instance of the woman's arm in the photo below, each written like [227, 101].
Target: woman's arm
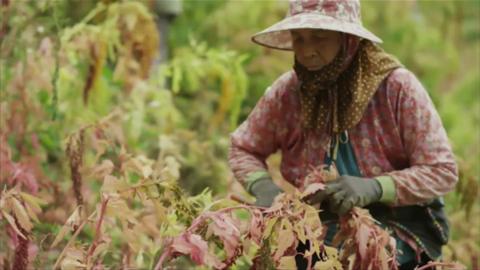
[433, 170]
[257, 138]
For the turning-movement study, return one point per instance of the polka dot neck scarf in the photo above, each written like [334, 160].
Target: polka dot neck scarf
[334, 98]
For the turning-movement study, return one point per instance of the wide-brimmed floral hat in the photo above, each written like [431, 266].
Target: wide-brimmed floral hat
[336, 15]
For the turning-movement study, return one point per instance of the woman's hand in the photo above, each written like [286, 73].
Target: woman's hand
[265, 192]
[346, 192]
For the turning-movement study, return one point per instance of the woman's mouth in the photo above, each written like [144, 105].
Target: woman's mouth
[314, 67]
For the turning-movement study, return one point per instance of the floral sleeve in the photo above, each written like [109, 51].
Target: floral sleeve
[432, 171]
[256, 138]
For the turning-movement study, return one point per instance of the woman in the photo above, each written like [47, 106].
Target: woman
[349, 105]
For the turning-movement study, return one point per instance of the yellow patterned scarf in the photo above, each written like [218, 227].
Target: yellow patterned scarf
[333, 98]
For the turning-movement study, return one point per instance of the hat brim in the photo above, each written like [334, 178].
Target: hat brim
[278, 35]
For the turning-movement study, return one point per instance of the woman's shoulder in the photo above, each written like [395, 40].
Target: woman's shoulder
[403, 87]
[402, 79]
[283, 86]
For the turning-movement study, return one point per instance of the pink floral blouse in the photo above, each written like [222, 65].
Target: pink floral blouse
[400, 135]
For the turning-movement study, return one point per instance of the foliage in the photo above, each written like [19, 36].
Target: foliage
[277, 231]
[373, 246]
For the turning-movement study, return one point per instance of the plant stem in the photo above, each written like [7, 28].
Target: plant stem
[74, 236]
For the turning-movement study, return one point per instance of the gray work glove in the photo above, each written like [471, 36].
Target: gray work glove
[264, 191]
[346, 192]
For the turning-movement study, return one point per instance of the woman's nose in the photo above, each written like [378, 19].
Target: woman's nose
[310, 51]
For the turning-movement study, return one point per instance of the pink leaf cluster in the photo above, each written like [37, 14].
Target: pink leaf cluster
[227, 229]
[318, 176]
[220, 224]
[256, 226]
[289, 221]
[15, 173]
[193, 245]
[371, 247]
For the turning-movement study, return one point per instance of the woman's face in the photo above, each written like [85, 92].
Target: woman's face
[315, 48]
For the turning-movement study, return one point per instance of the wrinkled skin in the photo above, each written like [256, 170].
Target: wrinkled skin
[315, 48]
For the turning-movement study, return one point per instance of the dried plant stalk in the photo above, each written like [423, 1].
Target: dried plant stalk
[75, 147]
[20, 261]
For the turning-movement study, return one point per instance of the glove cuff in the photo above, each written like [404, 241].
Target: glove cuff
[388, 189]
[253, 177]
